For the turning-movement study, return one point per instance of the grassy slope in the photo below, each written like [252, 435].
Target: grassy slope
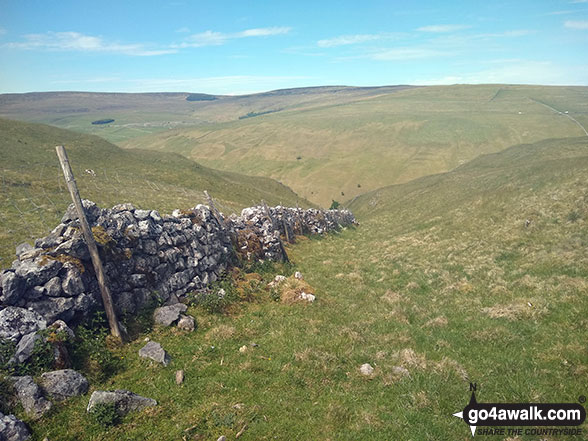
[393, 138]
[140, 114]
[442, 278]
[33, 196]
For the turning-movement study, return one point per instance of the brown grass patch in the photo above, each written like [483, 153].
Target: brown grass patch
[221, 332]
[291, 288]
[391, 297]
[517, 310]
[437, 322]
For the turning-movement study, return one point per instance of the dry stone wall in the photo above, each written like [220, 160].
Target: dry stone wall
[145, 255]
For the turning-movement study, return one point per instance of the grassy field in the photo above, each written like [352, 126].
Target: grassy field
[142, 114]
[478, 275]
[33, 196]
[339, 151]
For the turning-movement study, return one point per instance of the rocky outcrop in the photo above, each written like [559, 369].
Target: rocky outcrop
[62, 384]
[167, 315]
[30, 396]
[17, 322]
[155, 352]
[145, 255]
[13, 429]
[125, 401]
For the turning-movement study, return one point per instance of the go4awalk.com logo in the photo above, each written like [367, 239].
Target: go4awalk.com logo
[502, 418]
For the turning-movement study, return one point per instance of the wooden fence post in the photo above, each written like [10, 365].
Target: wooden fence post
[89, 238]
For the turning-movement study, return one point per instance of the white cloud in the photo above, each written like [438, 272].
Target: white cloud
[406, 53]
[2, 31]
[579, 1]
[183, 30]
[523, 72]
[576, 24]
[212, 38]
[443, 28]
[347, 40]
[263, 32]
[75, 41]
[231, 84]
[506, 34]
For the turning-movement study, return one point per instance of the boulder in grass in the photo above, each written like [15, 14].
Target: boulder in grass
[167, 315]
[64, 384]
[30, 396]
[155, 352]
[187, 323]
[124, 401]
[13, 429]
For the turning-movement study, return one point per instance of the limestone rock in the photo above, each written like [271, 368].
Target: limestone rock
[24, 348]
[366, 369]
[64, 384]
[179, 377]
[12, 288]
[155, 352]
[187, 323]
[13, 429]
[16, 322]
[30, 396]
[125, 401]
[167, 315]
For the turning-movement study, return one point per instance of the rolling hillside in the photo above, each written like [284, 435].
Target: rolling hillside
[474, 276]
[140, 114]
[34, 197]
[340, 151]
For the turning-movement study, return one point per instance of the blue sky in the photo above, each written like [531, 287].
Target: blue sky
[230, 47]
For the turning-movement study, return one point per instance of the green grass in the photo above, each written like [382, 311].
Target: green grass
[323, 151]
[33, 196]
[442, 278]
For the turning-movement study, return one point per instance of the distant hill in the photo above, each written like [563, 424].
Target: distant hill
[340, 150]
[139, 114]
[506, 189]
[34, 196]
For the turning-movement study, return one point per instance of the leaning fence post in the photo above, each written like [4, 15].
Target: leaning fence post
[89, 238]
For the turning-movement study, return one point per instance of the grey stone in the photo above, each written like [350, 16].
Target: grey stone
[31, 397]
[125, 303]
[187, 323]
[61, 327]
[36, 274]
[125, 401]
[72, 284]
[84, 303]
[155, 352]
[24, 348]
[55, 308]
[142, 214]
[150, 246]
[138, 280]
[12, 288]
[52, 240]
[13, 429]
[167, 315]
[16, 322]
[366, 369]
[21, 248]
[90, 209]
[53, 287]
[63, 384]
[75, 247]
[30, 254]
[36, 292]
[123, 207]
